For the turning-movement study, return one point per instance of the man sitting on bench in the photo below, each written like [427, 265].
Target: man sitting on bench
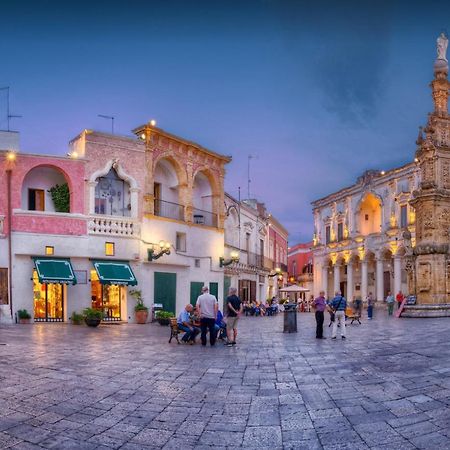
[185, 324]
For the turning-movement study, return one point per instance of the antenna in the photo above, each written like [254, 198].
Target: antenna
[111, 118]
[8, 115]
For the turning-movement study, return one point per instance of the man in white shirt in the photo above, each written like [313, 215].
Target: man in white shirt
[207, 307]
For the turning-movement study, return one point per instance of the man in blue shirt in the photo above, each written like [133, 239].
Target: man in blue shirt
[338, 305]
[185, 324]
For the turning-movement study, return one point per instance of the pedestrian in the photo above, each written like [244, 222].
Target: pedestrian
[185, 324]
[319, 305]
[400, 297]
[338, 304]
[370, 302]
[207, 307]
[234, 310]
[390, 303]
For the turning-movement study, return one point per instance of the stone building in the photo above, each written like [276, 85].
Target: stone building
[145, 210]
[261, 244]
[300, 265]
[362, 233]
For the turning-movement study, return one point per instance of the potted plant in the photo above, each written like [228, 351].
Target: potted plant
[163, 317]
[92, 317]
[76, 318]
[24, 316]
[140, 310]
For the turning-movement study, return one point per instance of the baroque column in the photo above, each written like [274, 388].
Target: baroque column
[364, 284]
[397, 274]
[380, 279]
[350, 280]
[337, 277]
[325, 280]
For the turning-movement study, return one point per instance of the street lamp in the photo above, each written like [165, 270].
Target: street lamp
[158, 250]
[277, 273]
[234, 258]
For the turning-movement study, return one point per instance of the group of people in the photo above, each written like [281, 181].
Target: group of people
[337, 308]
[206, 317]
[269, 308]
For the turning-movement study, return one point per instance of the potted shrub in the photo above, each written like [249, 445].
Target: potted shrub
[140, 310]
[92, 317]
[24, 316]
[76, 318]
[163, 317]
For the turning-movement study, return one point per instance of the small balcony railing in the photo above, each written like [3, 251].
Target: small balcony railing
[171, 210]
[113, 226]
[207, 218]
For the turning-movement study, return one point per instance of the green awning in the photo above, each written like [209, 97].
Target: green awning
[114, 272]
[54, 270]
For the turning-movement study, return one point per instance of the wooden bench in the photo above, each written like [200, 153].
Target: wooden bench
[350, 314]
[174, 330]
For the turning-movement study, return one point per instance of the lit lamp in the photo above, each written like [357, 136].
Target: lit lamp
[234, 258]
[155, 252]
[277, 272]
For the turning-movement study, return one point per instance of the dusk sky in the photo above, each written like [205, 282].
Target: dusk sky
[317, 92]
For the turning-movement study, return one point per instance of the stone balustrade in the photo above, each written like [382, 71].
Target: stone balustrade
[114, 226]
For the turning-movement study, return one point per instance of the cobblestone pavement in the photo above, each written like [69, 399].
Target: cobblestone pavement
[123, 386]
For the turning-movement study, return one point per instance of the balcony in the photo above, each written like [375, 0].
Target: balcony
[170, 210]
[113, 226]
[201, 217]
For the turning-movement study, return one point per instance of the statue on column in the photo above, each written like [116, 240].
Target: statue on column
[442, 44]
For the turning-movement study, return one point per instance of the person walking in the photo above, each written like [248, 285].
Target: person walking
[234, 310]
[338, 305]
[400, 297]
[319, 304]
[390, 303]
[370, 302]
[207, 307]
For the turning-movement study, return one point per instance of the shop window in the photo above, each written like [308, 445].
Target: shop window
[48, 301]
[403, 216]
[49, 250]
[340, 231]
[4, 286]
[327, 234]
[36, 200]
[180, 244]
[106, 298]
[109, 248]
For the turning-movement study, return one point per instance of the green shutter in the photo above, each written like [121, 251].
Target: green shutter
[226, 288]
[196, 290]
[214, 289]
[166, 290]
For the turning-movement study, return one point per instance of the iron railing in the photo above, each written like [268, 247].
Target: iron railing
[171, 210]
[207, 218]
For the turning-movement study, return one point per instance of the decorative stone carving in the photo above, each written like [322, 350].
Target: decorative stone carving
[424, 276]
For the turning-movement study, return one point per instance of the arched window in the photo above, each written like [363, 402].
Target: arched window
[112, 195]
[370, 215]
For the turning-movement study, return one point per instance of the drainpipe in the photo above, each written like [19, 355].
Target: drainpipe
[8, 189]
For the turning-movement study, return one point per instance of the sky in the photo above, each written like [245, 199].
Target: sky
[316, 92]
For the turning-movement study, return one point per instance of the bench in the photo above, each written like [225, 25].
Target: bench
[174, 330]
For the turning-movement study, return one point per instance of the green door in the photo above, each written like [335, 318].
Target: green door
[214, 290]
[166, 290]
[226, 287]
[196, 290]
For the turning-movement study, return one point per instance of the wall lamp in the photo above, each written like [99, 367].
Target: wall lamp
[234, 258]
[277, 272]
[158, 250]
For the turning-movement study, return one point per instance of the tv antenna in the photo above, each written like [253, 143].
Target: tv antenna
[9, 116]
[111, 118]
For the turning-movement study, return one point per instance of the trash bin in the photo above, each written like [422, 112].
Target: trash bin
[290, 318]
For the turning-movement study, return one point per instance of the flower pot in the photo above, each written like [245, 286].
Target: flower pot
[92, 322]
[164, 322]
[24, 321]
[141, 316]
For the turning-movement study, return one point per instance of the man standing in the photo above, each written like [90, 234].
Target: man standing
[185, 324]
[390, 303]
[319, 304]
[338, 304]
[207, 307]
[234, 310]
